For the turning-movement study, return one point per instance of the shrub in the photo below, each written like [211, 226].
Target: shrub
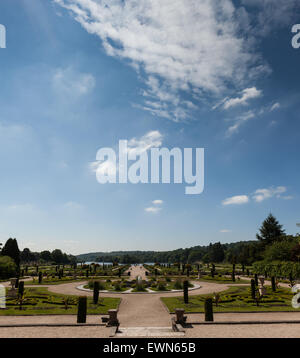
[82, 308]
[208, 308]
[40, 277]
[91, 284]
[161, 286]
[117, 286]
[273, 283]
[21, 289]
[178, 284]
[253, 289]
[96, 292]
[8, 267]
[186, 292]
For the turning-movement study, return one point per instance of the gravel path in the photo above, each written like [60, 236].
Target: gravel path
[245, 331]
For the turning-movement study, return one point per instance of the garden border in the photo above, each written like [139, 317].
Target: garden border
[81, 288]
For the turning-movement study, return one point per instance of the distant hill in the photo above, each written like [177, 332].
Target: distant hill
[212, 253]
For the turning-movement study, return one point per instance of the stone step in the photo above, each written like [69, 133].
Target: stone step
[147, 332]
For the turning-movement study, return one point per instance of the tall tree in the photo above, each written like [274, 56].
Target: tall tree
[57, 256]
[11, 249]
[270, 231]
[46, 256]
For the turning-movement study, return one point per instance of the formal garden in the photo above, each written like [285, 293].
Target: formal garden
[235, 299]
[153, 284]
[39, 301]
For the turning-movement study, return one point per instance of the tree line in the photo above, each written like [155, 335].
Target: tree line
[11, 258]
[271, 244]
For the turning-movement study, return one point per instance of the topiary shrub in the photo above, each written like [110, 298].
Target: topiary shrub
[208, 309]
[82, 308]
[273, 283]
[178, 284]
[256, 279]
[253, 289]
[186, 292]
[40, 277]
[96, 292]
[21, 289]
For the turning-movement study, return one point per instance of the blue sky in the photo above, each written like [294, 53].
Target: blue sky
[78, 75]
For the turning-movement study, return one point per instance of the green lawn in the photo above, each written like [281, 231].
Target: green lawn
[222, 279]
[39, 301]
[236, 299]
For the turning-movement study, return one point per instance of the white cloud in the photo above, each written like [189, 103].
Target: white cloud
[72, 83]
[270, 14]
[225, 231]
[152, 139]
[263, 194]
[238, 122]
[236, 200]
[137, 146]
[73, 205]
[179, 45]
[21, 207]
[275, 106]
[259, 195]
[153, 209]
[247, 94]
[157, 202]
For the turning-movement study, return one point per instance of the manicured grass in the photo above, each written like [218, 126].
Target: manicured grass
[222, 279]
[236, 299]
[39, 301]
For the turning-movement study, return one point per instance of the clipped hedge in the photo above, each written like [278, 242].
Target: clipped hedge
[277, 269]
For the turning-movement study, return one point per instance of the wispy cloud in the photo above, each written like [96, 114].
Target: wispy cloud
[73, 205]
[236, 200]
[179, 45]
[263, 194]
[259, 196]
[157, 202]
[225, 231]
[153, 209]
[284, 12]
[247, 94]
[240, 120]
[275, 106]
[135, 146]
[156, 206]
[69, 82]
